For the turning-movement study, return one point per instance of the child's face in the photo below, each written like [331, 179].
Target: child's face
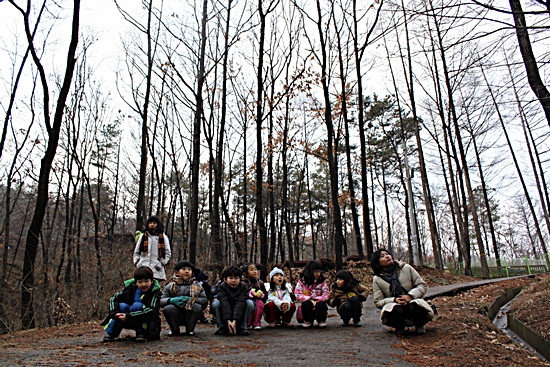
[152, 226]
[252, 272]
[233, 281]
[340, 282]
[144, 284]
[184, 273]
[278, 279]
[316, 274]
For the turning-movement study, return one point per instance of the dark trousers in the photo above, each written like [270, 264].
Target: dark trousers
[318, 313]
[396, 318]
[351, 309]
[176, 316]
[272, 312]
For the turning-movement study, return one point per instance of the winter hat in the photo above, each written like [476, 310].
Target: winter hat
[275, 270]
[184, 264]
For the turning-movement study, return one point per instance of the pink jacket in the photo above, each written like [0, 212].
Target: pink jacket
[318, 291]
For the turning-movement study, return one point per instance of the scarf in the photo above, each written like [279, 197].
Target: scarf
[194, 289]
[390, 276]
[144, 247]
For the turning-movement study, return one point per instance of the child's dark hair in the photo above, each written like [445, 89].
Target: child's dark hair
[307, 274]
[349, 280]
[143, 273]
[244, 268]
[375, 260]
[232, 271]
[154, 218]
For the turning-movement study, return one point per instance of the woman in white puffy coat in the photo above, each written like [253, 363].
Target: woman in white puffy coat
[153, 249]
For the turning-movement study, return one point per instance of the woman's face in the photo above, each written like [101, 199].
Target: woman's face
[278, 279]
[385, 259]
[340, 282]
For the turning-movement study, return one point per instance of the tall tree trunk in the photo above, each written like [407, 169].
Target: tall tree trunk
[520, 175]
[199, 110]
[140, 204]
[31, 243]
[533, 76]
[339, 239]
[358, 53]
[351, 184]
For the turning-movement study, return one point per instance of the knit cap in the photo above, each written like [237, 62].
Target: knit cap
[184, 264]
[275, 270]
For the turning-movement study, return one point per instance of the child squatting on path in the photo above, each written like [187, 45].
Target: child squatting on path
[398, 290]
[233, 307]
[347, 294]
[256, 292]
[183, 300]
[279, 304]
[135, 307]
[313, 292]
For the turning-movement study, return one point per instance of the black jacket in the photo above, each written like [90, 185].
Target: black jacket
[233, 301]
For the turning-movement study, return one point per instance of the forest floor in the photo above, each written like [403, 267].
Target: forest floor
[461, 336]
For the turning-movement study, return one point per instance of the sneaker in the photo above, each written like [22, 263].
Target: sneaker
[288, 325]
[345, 323]
[108, 338]
[190, 333]
[322, 324]
[420, 330]
[306, 324]
[173, 333]
[221, 331]
[141, 338]
[271, 324]
[257, 327]
[357, 322]
[242, 332]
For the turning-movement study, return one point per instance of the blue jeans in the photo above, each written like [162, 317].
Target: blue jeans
[216, 308]
[115, 326]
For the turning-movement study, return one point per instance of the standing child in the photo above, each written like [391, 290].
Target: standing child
[279, 303]
[256, 292]
[153, 248]
[183, 300]
[313, 292]
[347, 294]
[233, 307]
[135, 307]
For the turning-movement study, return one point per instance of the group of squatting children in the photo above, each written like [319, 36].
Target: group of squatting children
[237, 302]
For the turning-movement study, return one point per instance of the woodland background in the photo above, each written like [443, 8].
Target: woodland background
[266, 131]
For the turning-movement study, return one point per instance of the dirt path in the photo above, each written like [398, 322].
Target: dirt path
[463, 336]
[80, 345]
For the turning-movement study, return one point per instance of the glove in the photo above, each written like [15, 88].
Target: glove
[257, 293]
[180, 301]
[351, 294]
